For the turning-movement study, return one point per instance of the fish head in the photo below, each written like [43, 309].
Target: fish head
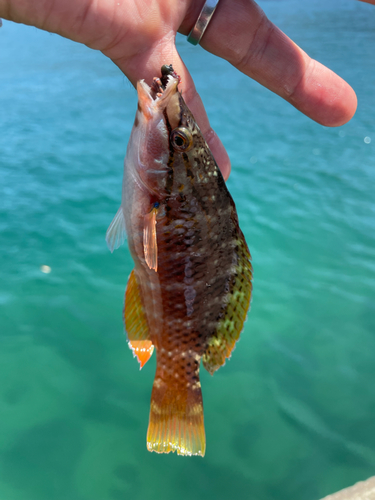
[148, 152]
[165, 138]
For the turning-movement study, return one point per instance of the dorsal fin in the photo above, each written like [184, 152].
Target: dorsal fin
[221, 344]
[136, 322]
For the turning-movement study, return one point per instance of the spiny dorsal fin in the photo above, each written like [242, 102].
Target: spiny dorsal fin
[221, 344]
[150, 245]
[136, 322]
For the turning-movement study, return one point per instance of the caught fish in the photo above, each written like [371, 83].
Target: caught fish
[190, 289]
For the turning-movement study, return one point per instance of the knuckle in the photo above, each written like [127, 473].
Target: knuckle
[251, 56]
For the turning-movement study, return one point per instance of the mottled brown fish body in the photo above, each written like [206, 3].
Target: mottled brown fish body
[192, 277]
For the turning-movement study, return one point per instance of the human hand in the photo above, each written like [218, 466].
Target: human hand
[138, 35]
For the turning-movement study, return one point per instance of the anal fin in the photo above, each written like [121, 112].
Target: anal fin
[142, 350]
[136, 322]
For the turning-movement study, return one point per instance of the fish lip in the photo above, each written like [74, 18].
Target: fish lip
[170, 89]
[150, 103]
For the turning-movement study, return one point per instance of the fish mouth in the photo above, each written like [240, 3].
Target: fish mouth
[161, 97]
[161, 89]
[159, 85]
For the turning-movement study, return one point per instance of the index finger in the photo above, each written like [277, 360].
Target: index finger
[241, 33]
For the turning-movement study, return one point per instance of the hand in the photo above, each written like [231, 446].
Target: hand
[138, 35]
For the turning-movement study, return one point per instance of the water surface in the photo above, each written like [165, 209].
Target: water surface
[291, 415]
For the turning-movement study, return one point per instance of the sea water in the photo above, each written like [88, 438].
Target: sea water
[292, 415]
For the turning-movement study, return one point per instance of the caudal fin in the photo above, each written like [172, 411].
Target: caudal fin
[176, 418]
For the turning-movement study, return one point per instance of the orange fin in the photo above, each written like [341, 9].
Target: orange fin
[142, 350]
[150, 245]
[176, 418]
[221, 344]
[136, 322]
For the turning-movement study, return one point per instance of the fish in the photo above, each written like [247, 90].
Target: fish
[188, 295]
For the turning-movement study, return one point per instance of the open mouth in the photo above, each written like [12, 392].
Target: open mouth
[160, 84]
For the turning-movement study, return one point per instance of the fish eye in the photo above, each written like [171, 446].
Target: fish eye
[181, 139]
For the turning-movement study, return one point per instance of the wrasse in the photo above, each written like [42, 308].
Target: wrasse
[190, 289]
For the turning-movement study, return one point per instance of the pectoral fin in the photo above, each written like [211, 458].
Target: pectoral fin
[222, 343]
[136, 322]
[116, 232]
[150, 244]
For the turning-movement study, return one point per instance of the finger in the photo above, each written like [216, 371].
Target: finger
[369, 1]
[241, 33]
[147, 65]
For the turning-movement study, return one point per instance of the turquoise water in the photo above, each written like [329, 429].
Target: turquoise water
[291, 415]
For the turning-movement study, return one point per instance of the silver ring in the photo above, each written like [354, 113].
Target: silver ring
[204, 18]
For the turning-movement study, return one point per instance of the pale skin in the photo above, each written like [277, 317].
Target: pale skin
[138, 35]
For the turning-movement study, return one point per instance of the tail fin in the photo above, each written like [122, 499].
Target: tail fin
[176, 418]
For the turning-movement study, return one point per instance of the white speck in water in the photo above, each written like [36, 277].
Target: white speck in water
[341, 133]
[253, 159]
[316, 151]
[367, 140]
[45, 269]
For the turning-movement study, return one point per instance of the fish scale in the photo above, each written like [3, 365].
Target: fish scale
[190, 289]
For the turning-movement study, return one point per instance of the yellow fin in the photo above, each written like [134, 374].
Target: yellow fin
[221, 344]
[176, 417]
[170, 433]
[136, 322]
[150, 245]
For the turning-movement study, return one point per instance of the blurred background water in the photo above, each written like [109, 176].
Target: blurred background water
[291, 415]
